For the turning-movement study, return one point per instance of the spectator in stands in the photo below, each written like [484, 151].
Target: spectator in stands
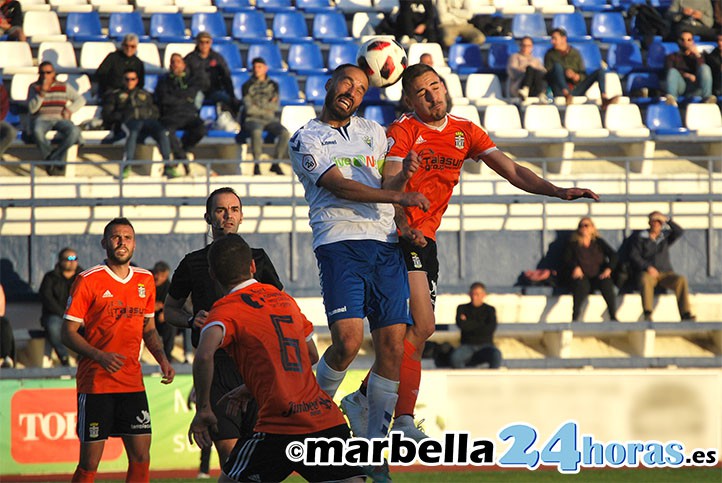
[417, 21]
[526, 72]
[589, 261]
[694, 16]
[7, 338]
[50, 104]
[54, 292]
[649, 255]
[566, 73]
[167, 332]
[687, 73]
[11, 20]
[110, 72]
[7, 131]
[131, 109]
[176, 95]
[454, 22]
[714, 61]
[261, 104]
[215, 76]
[477, 321]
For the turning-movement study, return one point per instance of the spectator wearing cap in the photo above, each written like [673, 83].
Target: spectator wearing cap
[109, 74]
[261, 105]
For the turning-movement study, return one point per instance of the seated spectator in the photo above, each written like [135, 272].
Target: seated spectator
[11, 20]
[417, 21]
[477, 321]
[54, 292]
[526, 72]
[50, 104]
[566, 73]
[714, 61]
[649, 255]
[131, 109]
[110, 72]
[590, 261]
[694, 16]
[454, 22]
[7, 338]
[176, 95]
[687, 73]
[261, 106]
[167, 332]
[7, 131]
[211, 68]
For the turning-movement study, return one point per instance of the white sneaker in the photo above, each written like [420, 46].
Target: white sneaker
[524, 93]
[203, 476]
[356, 408]
[411, 430]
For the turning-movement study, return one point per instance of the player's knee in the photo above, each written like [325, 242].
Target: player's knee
[347, 349]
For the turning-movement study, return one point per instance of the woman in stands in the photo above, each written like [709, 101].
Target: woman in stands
[526, 72]
[589, 262]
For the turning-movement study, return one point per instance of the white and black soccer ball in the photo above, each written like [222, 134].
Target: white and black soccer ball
[383, 60]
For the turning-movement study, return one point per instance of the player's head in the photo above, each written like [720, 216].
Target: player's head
[224, 211]
[230, 261]
[344, 92]
[424, 92]
[68, 259]
[477, 294]
[119, 241]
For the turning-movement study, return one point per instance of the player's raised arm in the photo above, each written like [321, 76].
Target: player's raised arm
[334, 181]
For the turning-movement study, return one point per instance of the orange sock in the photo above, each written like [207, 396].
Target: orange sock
[83, 476]
[138, 471]
[409, 381]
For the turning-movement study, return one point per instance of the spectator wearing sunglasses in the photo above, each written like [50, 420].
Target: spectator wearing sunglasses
[109, 74]
[54, 292]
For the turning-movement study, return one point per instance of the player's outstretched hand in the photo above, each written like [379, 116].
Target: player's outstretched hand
[413, 198]
[111, 361]
[168, 372]
[199, 431]
[236, 400]
[569, 194]
[411, 164]
[414, 235]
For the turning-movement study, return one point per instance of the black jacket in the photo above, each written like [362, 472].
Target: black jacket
[110, 72]
[55, 290]
[213, 72]
[647, 253]
[176, 95]
[122, 105]
[479, 325]
[571, 256]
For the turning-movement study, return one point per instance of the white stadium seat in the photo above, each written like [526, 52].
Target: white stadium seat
[294, 117]
[480, 7]
[19, 86]
[705, 119]
[467, 112]
[148, 53]
[503, 121]
[484, 89]
[584, 121]
[543, 121]
[453, 86]
[437, 55]
[625, 120]
[40, 26]
[16, 57]
[93, 53]
[513, 6]
[552, 6]
[61, 54]
[176, 48]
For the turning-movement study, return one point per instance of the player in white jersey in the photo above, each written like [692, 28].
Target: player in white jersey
[338, 157]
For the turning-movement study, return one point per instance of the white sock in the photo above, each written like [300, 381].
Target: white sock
[382, 395]
[327, 378]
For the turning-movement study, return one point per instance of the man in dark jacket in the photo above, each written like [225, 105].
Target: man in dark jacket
[477, 321]
[714, 61]
[11, 20]
[650, 256]
[54, 292]
[177, 94]
[687, 73]
[110, 72]
[131, 109]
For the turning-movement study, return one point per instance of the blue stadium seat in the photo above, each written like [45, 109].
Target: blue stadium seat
[342, 53]
[274, 5]
[151, 80]
[168, 27]
[637, 81]
[305, 58]
[316, 88]
[249, 27]
[624, 5]
[592, 5]
[238, 79]
[540, 50]
[609, 27]
[665, 120]
[625, 58]
[269, 52]
[212, 23]
[233, 6]
[383, 114]
[209, 114]
[531, 24]
[122, 23]
[230, 54]
[314, 6]
[330, 27]
[574, 24]
[84, 27]
[590, 54]
[288, 90]
[657, 53]
[498, 56]
[465, 58]
[290, 26]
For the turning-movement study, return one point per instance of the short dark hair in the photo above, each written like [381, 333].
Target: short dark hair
[44, 63]
[63, 251]
[560, 31]
[258, 60]
[117, 221]
[412, 72]
[338, 70]
[229, 260]
[225, 189]
[477, 285]
[160, 267]
[130, 70]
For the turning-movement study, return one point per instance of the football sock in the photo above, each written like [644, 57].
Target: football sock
[365, 384]
[382, 394]
[329, 379]
[409, 382]
[83, 476]
[138, 472]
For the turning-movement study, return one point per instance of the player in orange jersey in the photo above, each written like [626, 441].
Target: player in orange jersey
[114, 304]
[438, 143]
[269, 338]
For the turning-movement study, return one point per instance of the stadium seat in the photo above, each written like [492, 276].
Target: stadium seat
[529, 24]
[465, 58]
[269, 52]
[665, 120]
[574, 24]
[480, 7]
[230, 54]
[190, 7]
[148, 53]
[437, 55]
[543, 121]
[352, 6]
[233, 6]
[290, 26]
[168, 27]
[42, 26]
[364, 23]
[274, 5]
[592, 5]
[68, 6]
[590, 54]
[704, 119]
[109, 6]
[552, 6]
[342, 53]
[120, 24]
[609, 27]
[314, 6]
[657, 53]
[624, 58]
[151, 80]
[19, 86]
[453, 87]
[84, 27]
[182, 48]
[498, 56]
[249, 27]
[513, 7]
[584, 121]
[330, 27]
[625, 120]
[238, 79]
[468, 112]
[288, 91]
[316, 88]
[636, 82]
[93, 53]
[503, 121]
[148, 7]
[383, 114]
[61, 54]
[213, 23]
[306, 59]
[484, 90]
[295, 117]
[35, 5]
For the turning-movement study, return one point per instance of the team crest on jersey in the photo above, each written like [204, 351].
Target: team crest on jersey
[141, 290]
[415, 258]
[94, 430]
[459, 139]
[368, 140]
[308, 162]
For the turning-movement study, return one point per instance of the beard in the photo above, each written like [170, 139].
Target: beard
[119, 259]
[336, 113]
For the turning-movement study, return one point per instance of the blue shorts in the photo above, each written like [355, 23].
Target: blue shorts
[364, 278]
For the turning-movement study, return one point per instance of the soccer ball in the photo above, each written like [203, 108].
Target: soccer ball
[383, 60]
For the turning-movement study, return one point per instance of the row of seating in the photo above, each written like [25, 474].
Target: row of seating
[170, 6]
